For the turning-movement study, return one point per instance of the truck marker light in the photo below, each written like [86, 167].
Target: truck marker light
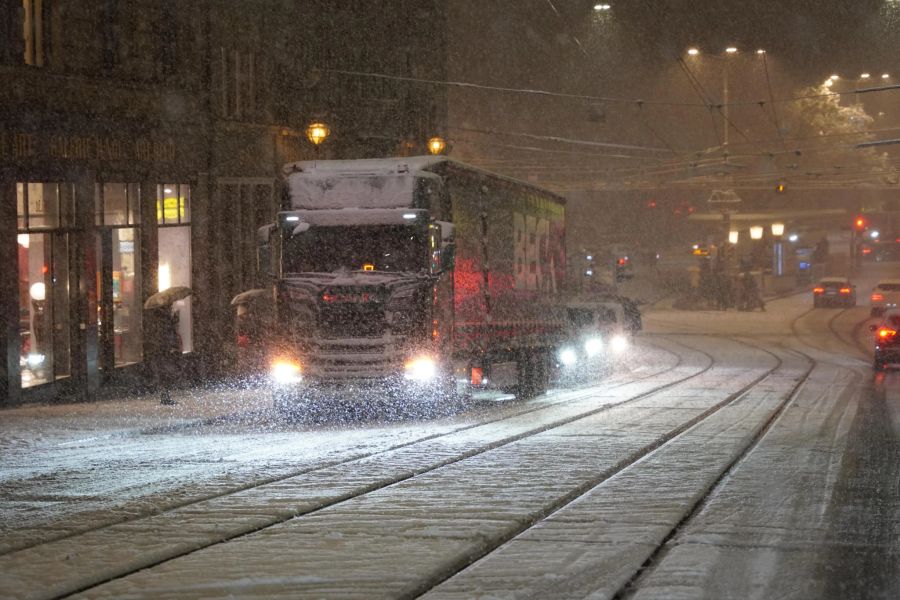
[285, 372]
[422, 368]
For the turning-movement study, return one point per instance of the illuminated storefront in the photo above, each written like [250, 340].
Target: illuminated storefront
[96, 231]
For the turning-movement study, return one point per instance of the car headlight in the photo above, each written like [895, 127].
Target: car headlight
[421, 368]
[619, 343]
[568, 357]
[285, 372]
[593, 346]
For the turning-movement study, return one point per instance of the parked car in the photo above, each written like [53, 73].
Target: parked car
[834, 291]
[887, 340]
[885, 295]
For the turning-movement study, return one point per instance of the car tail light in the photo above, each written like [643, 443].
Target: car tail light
[818, 290]
[877, 297]
[845, 290]
[886, 334]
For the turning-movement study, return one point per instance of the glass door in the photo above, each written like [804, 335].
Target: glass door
[118, 275]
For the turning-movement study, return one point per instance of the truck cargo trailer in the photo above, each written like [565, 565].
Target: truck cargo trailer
[420, 274]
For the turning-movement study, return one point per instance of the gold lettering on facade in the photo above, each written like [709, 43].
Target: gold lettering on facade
[24, 145]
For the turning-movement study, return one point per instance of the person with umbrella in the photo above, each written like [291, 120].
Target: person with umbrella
[162, 342]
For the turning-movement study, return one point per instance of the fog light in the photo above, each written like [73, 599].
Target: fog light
[568, 357]
[286, 372]
[422, 368]
[593, 346]
[619, 343]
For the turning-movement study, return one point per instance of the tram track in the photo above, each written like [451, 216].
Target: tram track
[659, 445]
[530, 433]
[66, 543]
[137, 509]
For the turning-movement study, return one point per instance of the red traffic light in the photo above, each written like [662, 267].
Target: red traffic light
[860, 223]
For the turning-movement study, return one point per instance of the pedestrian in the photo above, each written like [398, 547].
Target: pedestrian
[751, 297]
[163, 350]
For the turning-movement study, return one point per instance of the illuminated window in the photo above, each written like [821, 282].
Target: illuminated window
[173, 214]
[34, 34]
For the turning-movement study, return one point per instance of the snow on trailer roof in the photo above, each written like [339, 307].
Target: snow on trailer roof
[374, 182]
[364, 166]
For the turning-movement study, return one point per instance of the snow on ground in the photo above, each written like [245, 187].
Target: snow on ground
[691, 492]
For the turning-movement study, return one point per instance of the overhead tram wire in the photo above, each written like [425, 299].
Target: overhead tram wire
[653, 132]
[772, 102]
[695, 85]
[609, 99]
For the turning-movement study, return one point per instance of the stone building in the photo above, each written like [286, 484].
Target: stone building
[140, 148]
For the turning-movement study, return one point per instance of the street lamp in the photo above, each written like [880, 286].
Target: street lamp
[756, 232]
[436, 145]
[731, 50]
[777, 229]
[733, 236]
[865, 76]
[693, 51]
[317, 132]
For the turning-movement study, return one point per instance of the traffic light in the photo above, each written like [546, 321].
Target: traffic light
[860, 223]
[621, 269]
[780, 188]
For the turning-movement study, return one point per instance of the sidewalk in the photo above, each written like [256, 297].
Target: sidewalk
[69, 423]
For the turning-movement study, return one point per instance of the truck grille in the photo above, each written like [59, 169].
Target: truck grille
[351, 320]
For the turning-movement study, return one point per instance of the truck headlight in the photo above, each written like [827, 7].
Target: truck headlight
[285, 372]
[619, 343]
[421, 368]
[593, 346]
[568, 357]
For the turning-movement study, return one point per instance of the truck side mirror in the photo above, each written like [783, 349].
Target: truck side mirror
[264, 259]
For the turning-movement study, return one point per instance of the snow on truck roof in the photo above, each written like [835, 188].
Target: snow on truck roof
[371, 182]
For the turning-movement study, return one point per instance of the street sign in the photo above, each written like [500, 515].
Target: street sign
[724, 197]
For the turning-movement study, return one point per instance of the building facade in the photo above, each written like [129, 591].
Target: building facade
[140, 149]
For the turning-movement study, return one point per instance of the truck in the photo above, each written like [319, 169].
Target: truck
[422, 276]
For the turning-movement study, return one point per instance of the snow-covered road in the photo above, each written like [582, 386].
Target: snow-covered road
[737, 456]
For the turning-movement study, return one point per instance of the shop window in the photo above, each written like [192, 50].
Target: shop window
[43, 306]
[44, 212]
[126, 296]
[117, 204]
[173, 204]
[45, 205]
[174, 215]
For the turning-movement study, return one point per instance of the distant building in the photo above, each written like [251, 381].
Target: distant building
[140, 146]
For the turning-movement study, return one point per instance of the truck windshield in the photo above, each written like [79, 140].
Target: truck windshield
[379, 248]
